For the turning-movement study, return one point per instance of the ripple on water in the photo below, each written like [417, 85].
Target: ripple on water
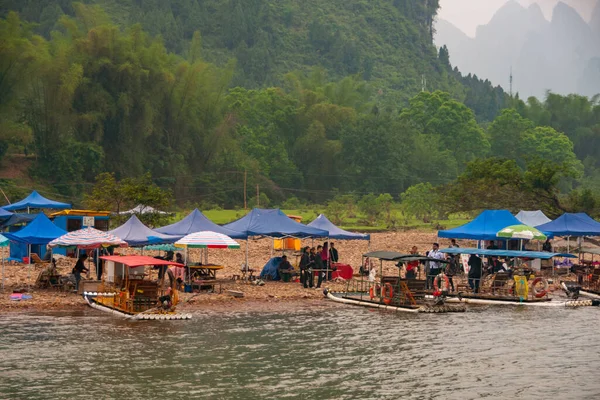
[340, 353]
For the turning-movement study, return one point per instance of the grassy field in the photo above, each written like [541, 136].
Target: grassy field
[354, 224]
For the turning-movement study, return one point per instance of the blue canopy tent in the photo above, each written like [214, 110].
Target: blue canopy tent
[36, 200]
[484, 227]
[197, 222]
[322, 222]
[272, 223]
[136, 234]
[568, 224]
[577, 225]
[38, 233]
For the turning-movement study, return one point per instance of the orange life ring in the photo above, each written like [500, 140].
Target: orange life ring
[387, 293]
[541, 293]
[446, 282]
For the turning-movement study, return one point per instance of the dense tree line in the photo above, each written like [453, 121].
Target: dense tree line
[86, 95]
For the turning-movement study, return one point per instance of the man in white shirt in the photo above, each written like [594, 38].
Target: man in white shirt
[435, 267]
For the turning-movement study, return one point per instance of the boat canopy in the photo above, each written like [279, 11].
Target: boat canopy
[399, 257]
[542, 255]
[589, 250]
[138, 261]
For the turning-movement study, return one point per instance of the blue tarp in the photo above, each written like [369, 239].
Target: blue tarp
[506, 253]
[5, 214]
[271, 269]
[322, 222]
[197, 222]
[579, 224]
[36, 200]
[16, 219]
[484, 227]
[40, 231]
[135, 233]
[273, 223]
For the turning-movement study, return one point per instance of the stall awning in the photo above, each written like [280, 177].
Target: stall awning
[138, 261]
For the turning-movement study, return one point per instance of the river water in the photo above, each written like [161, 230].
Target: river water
[331, 353]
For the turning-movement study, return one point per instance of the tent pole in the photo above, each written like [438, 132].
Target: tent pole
[246, 253]
[3, 271]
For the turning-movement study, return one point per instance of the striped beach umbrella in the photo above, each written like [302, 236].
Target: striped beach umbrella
[207, 240]
[88, 238]
[521, 232]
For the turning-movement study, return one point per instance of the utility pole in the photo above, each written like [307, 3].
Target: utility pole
[257, 196]
[245, 191]
[511, 82]
[423, 83]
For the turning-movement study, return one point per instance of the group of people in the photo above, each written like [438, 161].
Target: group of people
[452, 266]
[318, 260]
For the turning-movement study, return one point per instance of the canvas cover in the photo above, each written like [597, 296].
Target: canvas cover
[197, 222]
[36, 200]
[40, 231]
[532, 218]
[271, 269]
[322, 222]
[568, 224]
[135, 233]
[273, 223]
[484, 227]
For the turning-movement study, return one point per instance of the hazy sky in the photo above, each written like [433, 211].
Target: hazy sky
[468, 14]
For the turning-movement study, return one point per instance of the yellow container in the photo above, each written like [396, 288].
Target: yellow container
[288, 243]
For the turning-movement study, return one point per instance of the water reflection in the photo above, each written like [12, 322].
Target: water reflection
[338, 353]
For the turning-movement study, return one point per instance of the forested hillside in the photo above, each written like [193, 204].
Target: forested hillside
[304, 99]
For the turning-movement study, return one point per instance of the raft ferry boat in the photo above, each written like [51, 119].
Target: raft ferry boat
[392, 293]
[125, 290]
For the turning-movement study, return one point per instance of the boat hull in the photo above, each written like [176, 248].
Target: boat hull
[90, 299]
[340, 298]
[517, 302]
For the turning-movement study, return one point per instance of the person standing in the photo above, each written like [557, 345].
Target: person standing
[78, 269]
[454, 267]
[333, 253]
[475, 270]
[412, 266]
[321, 264]
[435, 267]
[547, 246]
[306, 263]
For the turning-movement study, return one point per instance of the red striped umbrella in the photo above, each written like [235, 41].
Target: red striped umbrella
[88, 238]
[207, 240]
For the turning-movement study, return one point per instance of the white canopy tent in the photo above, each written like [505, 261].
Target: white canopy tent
[142, 209]
[532, 218]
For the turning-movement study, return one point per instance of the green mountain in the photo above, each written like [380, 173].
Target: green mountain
[386, 42]
[304, 98]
